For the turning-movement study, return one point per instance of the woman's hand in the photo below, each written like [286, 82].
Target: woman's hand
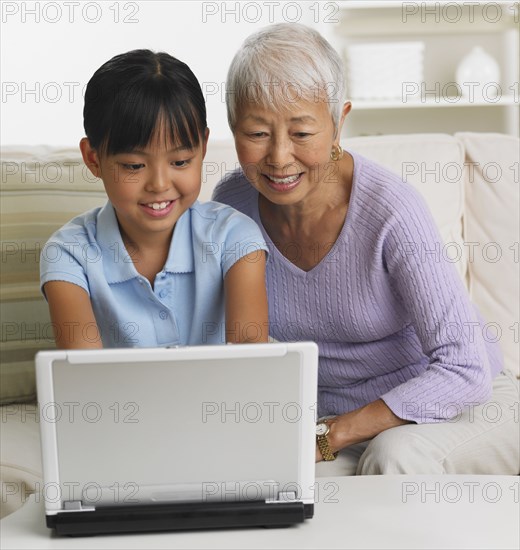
[360, 425]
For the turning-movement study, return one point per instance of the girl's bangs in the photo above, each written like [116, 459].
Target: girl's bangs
[140, 116]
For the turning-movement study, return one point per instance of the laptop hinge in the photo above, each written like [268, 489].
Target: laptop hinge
[76, 506]
[283, 496]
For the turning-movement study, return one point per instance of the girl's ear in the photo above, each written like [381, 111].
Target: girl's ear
[90, 157]
[205, 143]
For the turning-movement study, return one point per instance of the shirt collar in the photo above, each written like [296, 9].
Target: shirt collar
[117, 263]
[180, 258]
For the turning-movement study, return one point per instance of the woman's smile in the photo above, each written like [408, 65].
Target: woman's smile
[283, 184]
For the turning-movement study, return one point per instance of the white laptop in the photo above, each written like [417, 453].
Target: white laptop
[158, 439]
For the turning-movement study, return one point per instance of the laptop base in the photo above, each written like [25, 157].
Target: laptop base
[174, 517]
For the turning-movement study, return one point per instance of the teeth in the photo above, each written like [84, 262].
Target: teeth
[288, 179]
[158, 205]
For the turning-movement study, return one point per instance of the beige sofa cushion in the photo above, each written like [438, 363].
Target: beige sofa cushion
[41, 189]
[20, 455]
[492, 225]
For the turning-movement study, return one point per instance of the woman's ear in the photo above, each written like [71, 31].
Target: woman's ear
[344, 112]
[90, 157]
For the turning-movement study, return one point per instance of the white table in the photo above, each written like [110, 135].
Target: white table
[473, 512]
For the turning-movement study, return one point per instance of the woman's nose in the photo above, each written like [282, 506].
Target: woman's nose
[280, 152]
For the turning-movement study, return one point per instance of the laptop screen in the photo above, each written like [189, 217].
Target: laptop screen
[174, 425]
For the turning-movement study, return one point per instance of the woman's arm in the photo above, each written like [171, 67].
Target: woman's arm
[72, 316]
[246, 300]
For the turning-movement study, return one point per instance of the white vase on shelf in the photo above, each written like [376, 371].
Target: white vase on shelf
[478, 76]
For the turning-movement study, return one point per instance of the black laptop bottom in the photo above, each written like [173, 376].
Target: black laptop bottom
[185, 516]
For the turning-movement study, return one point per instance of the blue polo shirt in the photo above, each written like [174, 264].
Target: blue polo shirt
[186, 304]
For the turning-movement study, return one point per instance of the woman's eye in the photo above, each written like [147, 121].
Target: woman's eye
[132, 167]
[302, 134]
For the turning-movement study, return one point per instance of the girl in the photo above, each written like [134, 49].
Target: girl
[153, 267]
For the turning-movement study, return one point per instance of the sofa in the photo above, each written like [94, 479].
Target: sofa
[470, 181]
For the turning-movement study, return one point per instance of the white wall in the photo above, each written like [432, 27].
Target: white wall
[49, 51]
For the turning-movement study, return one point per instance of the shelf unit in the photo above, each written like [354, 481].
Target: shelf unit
[449, 31]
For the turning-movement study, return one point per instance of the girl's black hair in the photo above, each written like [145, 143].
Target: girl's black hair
[132, 93]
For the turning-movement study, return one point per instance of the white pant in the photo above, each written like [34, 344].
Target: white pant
[482, 440]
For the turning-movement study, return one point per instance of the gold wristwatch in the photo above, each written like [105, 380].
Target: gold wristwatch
[322, 429]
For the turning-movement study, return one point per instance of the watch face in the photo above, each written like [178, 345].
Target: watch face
[322, 429]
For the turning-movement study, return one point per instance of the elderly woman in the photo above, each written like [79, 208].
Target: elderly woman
[398, 393]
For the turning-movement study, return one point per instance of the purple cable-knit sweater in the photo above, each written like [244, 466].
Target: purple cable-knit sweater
[391, 320]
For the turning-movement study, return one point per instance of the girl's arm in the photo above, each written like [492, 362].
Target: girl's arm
[246, 300]
[72, 316]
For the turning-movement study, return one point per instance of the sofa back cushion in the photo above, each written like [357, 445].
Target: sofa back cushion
[41, 188]
[492, 231]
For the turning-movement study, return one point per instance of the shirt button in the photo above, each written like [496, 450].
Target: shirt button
[163, 293]
[163, 314]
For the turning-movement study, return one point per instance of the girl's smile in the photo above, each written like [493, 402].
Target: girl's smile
[159, 209]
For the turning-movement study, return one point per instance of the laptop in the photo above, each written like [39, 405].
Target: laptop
[137, 440]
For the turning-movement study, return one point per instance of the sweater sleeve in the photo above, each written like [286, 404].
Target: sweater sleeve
[445, 321]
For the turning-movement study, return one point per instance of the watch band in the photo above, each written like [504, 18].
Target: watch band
[323, 446]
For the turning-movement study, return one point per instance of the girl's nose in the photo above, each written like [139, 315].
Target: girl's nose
[158, 182]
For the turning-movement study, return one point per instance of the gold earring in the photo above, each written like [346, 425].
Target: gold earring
[336, 153]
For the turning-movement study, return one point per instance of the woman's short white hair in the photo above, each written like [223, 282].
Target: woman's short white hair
[281, 64]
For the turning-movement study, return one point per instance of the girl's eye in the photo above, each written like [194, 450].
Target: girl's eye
[132, 167]
[181, 163]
